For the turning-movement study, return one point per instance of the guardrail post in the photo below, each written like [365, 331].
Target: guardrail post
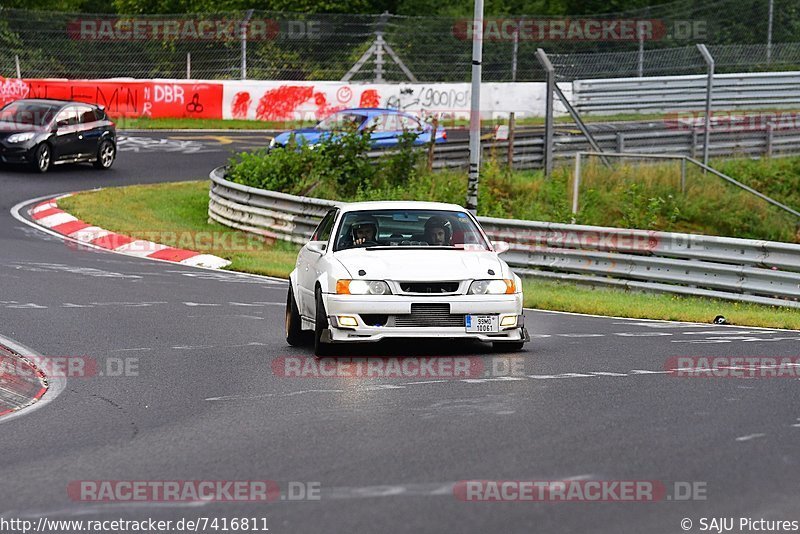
[709, 59]
[549, 112]
[769, 131]
[511, 125]
[576, 185]
[683, 175]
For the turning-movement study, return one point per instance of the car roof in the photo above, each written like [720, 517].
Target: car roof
[54, 102]
[400, 204]
[374, 111]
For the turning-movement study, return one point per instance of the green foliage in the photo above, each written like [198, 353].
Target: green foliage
[637, 196]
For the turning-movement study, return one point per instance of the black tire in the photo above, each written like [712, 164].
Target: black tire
[42, 158]
[320, 324]
[294, 330]
[507, 346]
[106, 154]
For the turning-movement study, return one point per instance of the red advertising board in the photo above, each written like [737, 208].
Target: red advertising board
[154, 99]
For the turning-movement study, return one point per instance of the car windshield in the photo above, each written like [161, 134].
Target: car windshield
[341, 121]
[409, 228]
[28, 113]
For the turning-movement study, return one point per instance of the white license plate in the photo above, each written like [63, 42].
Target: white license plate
[483, 323]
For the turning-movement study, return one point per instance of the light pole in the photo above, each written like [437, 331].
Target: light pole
[475, 110]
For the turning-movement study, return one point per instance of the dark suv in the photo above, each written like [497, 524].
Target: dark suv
[43, 133]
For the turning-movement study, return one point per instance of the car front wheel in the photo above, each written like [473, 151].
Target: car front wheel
[320, 324]
[106, 153]
[294, 331]
[42, 158]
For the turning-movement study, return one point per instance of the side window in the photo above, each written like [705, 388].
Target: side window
[408, 123]
[323, 231]
[67, 117]
[86, 115]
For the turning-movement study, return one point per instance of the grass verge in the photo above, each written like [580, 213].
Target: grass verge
[177, 214]
[146, 123]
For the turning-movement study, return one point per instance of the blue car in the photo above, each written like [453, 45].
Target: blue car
[388, 124]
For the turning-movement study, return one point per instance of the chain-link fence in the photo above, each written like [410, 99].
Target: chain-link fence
[744, 35]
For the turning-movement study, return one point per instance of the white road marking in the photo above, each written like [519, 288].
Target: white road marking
[749, 437]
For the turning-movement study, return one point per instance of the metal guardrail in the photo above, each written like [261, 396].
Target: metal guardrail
[674, 93]
[762, 272]
[677, 139]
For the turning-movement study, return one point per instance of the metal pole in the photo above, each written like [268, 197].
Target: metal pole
[188, 65]
[549, 112]
[769, 32]
[709, 88]
[514, 56]
[510, 152]
[244, 43]
[475, 110]
[683, 175]
[19, 73]
[379, 58]
[576, 184]
[640, 34]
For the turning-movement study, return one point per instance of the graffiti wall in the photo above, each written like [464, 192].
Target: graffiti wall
[126, 98]
[281, 101]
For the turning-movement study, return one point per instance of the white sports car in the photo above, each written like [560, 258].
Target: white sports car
[378, 270]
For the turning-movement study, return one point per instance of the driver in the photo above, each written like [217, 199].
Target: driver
[438, 231]
[364, 230]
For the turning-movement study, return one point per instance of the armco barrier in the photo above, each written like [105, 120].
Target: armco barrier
[661, 94]
[747, 270]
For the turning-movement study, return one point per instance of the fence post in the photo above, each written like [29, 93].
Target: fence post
[510, 153]
[576, 184]
[770, 131]
[16, 62]
[432, 144]
[709, 88]
[188, 65]
[244, 43]
[769, 32]
[693, 141]
[683, 175]
[549, 112]
[620, 142]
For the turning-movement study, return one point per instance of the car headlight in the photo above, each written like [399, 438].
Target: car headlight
[20, 137]
[362, 287]
[492, 287]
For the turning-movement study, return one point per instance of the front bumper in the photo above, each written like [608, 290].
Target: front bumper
[394, 305]
[16, 153]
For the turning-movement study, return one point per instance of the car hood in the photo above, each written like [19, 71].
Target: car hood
[415, 265]
[11, 128]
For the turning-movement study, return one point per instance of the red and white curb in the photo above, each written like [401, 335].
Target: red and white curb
[49, 215]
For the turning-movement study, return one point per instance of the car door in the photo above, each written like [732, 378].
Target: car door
[65, 140]
[89, 131]
[386, 130]
[410, 124]
[308, 263]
